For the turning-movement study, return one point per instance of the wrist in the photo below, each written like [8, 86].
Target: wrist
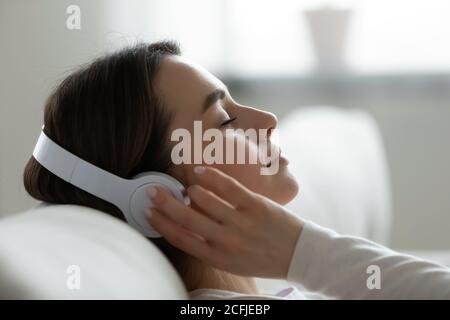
[290, 241]
[298, 225]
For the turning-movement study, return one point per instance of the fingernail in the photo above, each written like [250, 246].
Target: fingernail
[152, 192]
[189, 190]
[157, 196]
[199, 169]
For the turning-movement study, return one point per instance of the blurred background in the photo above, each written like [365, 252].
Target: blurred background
[388, 57]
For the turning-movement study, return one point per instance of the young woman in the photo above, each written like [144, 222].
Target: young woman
[119, 112]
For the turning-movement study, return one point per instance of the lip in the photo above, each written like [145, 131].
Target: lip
[284, 160]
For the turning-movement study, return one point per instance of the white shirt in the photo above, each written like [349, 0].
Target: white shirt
[290, 293]
[328, 265]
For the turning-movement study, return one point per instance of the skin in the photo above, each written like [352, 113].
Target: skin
[183, 86]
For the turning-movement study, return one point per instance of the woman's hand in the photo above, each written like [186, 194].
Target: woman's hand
[228, 227]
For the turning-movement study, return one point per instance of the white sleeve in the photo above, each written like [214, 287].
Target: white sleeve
[337, 266]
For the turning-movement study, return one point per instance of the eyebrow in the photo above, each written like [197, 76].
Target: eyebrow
[212, 98]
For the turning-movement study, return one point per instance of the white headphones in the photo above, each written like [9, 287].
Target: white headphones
[128, 195]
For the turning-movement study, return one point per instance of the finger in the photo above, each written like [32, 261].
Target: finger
[184, 215]
[224, 186]
[150, 211]
[180, 237]
[211, 204]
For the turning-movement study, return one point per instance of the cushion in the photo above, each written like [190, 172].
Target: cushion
[74, 252]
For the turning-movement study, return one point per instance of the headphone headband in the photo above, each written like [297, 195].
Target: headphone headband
[77, 171]
[128, 195]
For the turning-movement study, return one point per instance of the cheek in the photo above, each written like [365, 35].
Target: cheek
[280, 187]
[246, 174]
[249, 174]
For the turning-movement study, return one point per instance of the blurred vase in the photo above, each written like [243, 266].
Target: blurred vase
[328, 28]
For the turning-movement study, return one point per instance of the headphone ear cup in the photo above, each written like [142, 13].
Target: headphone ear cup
[139, 200]
[166, 181]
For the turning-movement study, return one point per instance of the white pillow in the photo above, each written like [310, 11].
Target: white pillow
[338, 158]
[38, 247]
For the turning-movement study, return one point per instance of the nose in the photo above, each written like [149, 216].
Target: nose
[261, 119]
[266, 120]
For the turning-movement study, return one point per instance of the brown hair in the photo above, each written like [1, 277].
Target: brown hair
[108, 114]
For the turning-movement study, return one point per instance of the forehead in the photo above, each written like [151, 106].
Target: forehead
[183, 84]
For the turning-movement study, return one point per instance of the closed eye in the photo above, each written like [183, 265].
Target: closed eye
[228, 121]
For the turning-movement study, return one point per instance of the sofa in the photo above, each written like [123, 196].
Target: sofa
[74, 252]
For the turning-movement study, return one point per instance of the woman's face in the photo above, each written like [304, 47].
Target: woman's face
[184, 87]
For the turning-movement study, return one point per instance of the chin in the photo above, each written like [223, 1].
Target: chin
[289, 190]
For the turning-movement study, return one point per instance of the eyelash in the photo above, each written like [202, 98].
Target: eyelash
[228, 121]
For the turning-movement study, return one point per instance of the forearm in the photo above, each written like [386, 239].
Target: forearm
[337, 266]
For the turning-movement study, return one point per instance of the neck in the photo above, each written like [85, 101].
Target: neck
[197, 275]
